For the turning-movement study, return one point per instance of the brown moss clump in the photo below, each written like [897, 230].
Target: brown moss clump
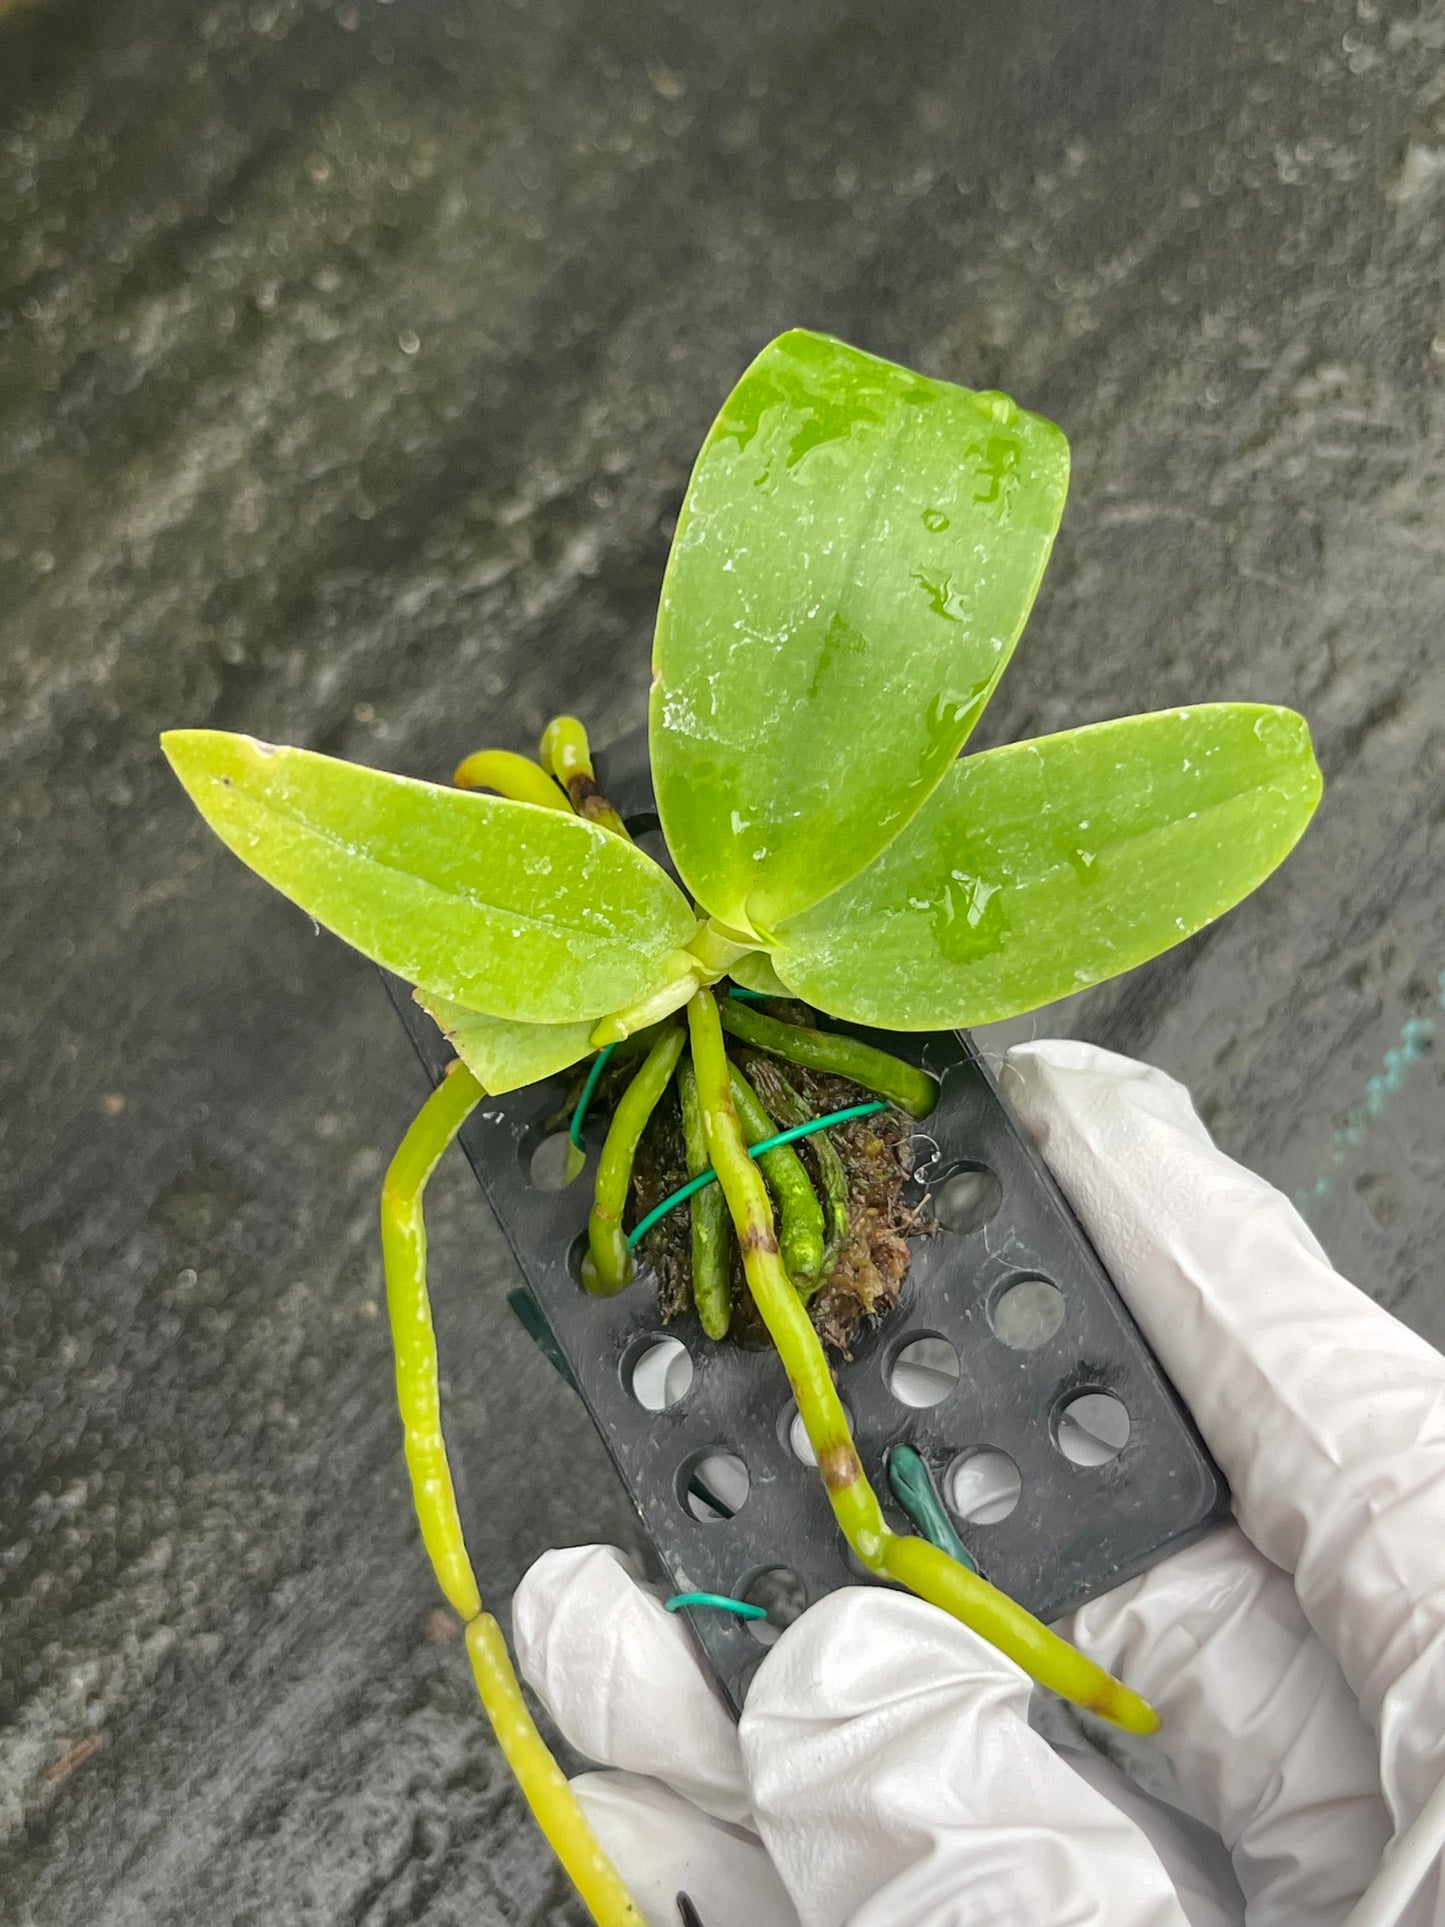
[864, 1280]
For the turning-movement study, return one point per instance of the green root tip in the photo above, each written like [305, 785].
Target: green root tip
[596, 1286]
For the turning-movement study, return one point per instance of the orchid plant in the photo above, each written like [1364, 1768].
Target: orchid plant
[854, 561]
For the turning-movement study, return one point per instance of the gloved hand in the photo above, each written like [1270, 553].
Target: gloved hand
[884, 1772]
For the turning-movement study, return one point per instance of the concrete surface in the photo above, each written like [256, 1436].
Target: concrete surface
[351, 361]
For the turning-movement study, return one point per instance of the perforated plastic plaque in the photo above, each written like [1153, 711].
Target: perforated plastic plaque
[1065, 1456]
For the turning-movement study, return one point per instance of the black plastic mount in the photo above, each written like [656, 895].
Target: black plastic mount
[1090, 1510]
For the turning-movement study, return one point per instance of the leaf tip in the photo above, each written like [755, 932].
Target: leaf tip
[177, 744]
[1314, 776]
[191, 754]
[1285, 735]
[197, 755]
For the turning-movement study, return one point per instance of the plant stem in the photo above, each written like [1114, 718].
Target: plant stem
[710, 1285]
[511, 775]
[610, 1267]
[789, 1107]
[915, 1563]
[568, 755]
[403, 1241]
[903, 1084]
[801, 1232]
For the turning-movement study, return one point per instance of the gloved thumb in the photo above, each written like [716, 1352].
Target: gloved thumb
[896, 1782]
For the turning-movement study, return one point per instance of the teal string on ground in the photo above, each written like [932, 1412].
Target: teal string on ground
[1417, 1035]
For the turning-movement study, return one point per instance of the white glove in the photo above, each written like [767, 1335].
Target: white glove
[884, 1772]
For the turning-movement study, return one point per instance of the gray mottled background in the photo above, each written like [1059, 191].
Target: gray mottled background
[351, 361]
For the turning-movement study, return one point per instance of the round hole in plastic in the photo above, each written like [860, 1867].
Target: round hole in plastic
[780, 1591]
[714, 1486]
[657, 1370]
[1092, 1428]
[547, 1165]
[923, 1371]
[1028, 1314]
[643, 1280]
[576, 1252]
[794, 1434]
[966, 1199]
[983, 1486]
[859, 1573]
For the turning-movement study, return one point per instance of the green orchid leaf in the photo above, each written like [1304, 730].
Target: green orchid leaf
[1038, 869]
[854, 561]
[502, 1055]
[521, 912]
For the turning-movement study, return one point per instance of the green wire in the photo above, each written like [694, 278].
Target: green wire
[589, 1091]
[755, 996]
[738, 1606]
[754, 1151]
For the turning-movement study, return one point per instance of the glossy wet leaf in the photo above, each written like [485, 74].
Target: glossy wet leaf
[504, 907]
[1038, 869]
[856, 555]
[503, 1055]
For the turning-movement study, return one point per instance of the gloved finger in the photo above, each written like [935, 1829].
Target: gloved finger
[1327, 1415]
[663, 1846]
[896, 1782]
[620, 1677]
[1192, 1854]
[1264, 1734]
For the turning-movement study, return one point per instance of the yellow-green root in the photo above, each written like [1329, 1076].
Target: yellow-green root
[913, 1090]
[711, 1285]
[913, 1562]
[662, 1003]
[554, 1805]
[568, 755]
[608, 1267]
[788, 1107]
[510, 775]
[800, 1216]
[418, 1392]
